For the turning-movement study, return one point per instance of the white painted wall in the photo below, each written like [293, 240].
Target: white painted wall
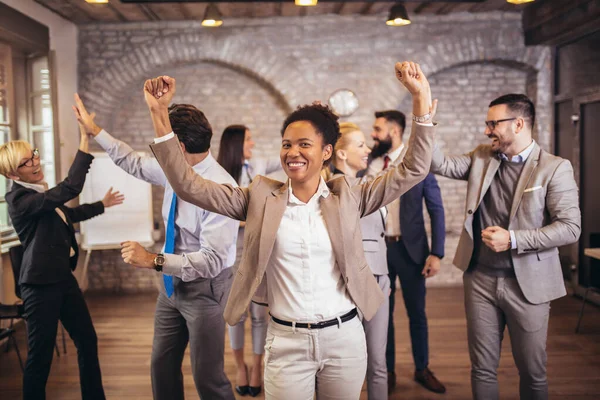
[63, 40]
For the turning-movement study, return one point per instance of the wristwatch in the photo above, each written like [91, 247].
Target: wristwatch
[159, 261]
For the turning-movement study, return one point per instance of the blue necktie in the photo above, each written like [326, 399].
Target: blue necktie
[170, 243]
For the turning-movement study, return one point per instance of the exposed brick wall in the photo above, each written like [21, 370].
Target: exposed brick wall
[254, 72]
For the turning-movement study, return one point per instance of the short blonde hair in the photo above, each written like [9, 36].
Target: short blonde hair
[11, 154]
[343, 141]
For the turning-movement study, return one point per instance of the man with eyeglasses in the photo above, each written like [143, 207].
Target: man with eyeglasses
[522, 204]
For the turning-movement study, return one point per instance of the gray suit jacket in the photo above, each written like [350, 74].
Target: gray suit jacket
[263, 203]
[544, 214]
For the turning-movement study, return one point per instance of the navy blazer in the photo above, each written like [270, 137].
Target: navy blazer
[412, 223]
[45, 237]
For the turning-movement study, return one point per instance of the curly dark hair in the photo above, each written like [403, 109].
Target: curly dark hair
[191, 127]
[321, 117]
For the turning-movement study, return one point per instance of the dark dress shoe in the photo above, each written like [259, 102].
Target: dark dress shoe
[254, 390]
[243, 390]
[391, 382]
[429, 381]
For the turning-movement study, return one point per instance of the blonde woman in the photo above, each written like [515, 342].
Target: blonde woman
[49, 290]
[350, 155]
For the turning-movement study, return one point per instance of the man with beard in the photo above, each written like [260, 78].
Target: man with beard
[408, 254]
[522, 204]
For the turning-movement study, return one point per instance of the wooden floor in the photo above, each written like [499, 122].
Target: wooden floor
[125, 323]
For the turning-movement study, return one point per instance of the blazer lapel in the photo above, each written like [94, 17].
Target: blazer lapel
[492, 168]
[524, 178]
[274, 208]
[330, 207]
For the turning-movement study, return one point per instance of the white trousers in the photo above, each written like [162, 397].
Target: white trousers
[329, 362]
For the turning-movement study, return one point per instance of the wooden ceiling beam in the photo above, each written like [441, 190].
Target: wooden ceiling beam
[366, 10]
[115, 11]
[80, 9]
[151, 15]
[422, 7]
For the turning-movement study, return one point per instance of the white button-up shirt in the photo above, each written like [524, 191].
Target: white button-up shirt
[304, 281]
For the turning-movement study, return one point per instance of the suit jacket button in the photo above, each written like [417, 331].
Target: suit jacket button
[470, 212]
[382, 234]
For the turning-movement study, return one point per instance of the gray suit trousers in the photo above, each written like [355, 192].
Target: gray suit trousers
[194, 314]
[376, 332]
[491, 303]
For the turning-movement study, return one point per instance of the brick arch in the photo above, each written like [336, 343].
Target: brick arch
[258, 63]
[500, 48]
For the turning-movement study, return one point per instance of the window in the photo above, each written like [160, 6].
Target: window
[40, 105]
[25, 113]
[6, 127]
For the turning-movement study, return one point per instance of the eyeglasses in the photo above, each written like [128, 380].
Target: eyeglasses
[493, 124]
[29, 162]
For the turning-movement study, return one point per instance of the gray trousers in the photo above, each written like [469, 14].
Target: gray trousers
[491, 303]
[193, 314]
[258, 317]
[376, 331]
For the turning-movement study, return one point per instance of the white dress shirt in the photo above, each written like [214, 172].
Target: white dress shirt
[41, 188]
[205, 242]
[304, 281]
[392, 225]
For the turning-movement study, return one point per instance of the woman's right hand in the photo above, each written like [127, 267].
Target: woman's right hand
[85, 119]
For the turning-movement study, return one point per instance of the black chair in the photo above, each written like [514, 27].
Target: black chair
[16, 258]
[8, 333]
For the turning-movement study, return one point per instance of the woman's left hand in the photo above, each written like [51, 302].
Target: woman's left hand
[112, 198]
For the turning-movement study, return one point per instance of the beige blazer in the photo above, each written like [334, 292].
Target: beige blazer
[263, 203]
[544, 214]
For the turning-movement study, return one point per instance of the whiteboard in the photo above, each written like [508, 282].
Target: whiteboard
[131, 220]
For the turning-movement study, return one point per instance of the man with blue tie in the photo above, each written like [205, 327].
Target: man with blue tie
[408, 254]
[200, 248]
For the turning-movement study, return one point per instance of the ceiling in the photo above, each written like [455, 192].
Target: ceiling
[81, 12]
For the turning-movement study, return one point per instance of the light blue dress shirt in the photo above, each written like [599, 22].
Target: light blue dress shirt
[205, 242]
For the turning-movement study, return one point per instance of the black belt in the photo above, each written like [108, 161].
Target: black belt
[319, 325]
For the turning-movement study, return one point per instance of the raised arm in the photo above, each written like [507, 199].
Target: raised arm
[562, 204]
[142, 167]
[453, 167]
[220, 198]
[414, 167]
[30, 204]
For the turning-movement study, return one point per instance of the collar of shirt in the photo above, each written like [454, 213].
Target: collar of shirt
[203, 166]
[322, 190]
[522, 156]
[38, 187]
[395, 154]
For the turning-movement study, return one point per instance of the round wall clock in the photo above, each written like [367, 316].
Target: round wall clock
[343, 102]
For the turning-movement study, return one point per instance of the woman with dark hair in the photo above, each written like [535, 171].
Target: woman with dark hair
[235, 156]
[303, 237]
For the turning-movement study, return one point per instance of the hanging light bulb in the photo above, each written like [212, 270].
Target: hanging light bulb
[398, 16]
[212, 16]
[305, 3]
